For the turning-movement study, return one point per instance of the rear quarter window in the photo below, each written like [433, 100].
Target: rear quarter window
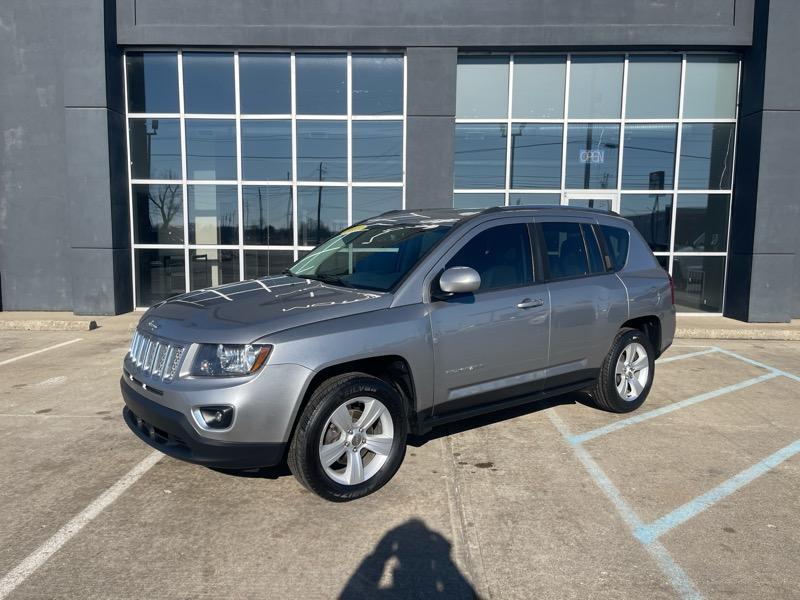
[617, 243]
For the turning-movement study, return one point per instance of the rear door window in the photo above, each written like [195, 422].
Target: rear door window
[564, 250]
[617, 241]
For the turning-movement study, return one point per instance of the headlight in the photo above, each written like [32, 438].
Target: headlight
[221, 360]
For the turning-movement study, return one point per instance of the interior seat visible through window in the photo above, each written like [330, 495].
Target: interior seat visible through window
[566, 253]
[501, 256]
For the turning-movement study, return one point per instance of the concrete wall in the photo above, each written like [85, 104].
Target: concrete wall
[763, 275]
[63, 203]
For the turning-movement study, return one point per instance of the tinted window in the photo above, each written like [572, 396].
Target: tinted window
[321, 82]
[208, 85]
[377, 84]
[566, 254]
[595, 258]
[152, 82]
[265, 84]
[536, 155]
[378, 151]
[482, 87]
[480, 156]
[501, 256]
[211, 149]
[155, 148]
[267, 215]
[592, 155]
[706, 156]
[616, 244]
[267, 150]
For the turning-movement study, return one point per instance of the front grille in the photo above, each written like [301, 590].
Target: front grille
[155, 357]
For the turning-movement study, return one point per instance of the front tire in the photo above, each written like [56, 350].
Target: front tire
[350, 439]
[627, 373]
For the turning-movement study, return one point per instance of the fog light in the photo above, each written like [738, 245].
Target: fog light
[217, 417]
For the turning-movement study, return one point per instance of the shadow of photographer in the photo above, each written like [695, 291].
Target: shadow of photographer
[410, 561]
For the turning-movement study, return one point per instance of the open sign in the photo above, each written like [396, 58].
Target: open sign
[592, 156]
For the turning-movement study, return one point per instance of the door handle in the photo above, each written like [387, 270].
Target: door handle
[528, 303]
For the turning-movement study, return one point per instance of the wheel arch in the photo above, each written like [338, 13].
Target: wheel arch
[650, 325]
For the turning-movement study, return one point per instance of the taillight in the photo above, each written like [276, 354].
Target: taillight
[672, 288]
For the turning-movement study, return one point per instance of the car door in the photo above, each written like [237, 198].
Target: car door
[492, 344]
[587, 300]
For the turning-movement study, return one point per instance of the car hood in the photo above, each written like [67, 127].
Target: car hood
[242, 312]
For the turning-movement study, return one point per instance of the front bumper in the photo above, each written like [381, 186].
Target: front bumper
[170, 432]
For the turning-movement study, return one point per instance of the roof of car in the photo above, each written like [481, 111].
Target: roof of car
[451, 216]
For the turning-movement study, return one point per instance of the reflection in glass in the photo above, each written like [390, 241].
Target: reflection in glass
[710, 88]
[595, 87]
[370, 202]
[213, 215]
[698, 283]
[210, 149]
[539, 87]
[321, 212]
[265, 84]
[652, 216]
[208, 85]
[519, 199]
[706, 156]
[592, 156]
[377, 84]
[480, 155]
[160, 274]
[322, 150]
[267, 215]
[654, 87]
[321, 82]
[701, 224]
[155, 148]
[152, 82]
[482, 87]
[158, 213]
[210, 268]
[649, 158]
[480, 200]
[598, 203]
[267, 150]
[377, 151]
[536, 155]
[664, 262]
[261, 263]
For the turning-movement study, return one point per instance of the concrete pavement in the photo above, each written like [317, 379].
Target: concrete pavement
[556, 500]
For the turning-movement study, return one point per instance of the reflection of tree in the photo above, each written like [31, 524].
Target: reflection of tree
[169, 203]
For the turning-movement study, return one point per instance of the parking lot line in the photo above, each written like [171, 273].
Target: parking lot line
[755, 363]
[661, 361]
[38, 557]
[35, 352]
[622, 423]
[651, 532]
[671, 569]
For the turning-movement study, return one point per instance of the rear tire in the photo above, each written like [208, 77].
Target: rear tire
[350, 439]
[627, 373]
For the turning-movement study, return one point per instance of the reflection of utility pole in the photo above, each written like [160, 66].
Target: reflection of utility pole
[319, 200]
[516, 131]
[149, 135]
[656, 182]
[261, 214]
[587, 165]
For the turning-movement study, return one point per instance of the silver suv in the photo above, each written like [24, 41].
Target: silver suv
[396, 325]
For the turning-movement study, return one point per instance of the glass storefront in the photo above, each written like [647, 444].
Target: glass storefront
[241, 162]
[648, 135]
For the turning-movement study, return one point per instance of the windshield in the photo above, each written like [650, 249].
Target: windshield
[375, 257]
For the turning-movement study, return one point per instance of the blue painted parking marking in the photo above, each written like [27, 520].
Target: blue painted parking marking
[755, 363]
[661, 361]
[672, 570]
[622, 423]
[649, 533]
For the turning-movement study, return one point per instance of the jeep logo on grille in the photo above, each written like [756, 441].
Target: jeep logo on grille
[152, 325]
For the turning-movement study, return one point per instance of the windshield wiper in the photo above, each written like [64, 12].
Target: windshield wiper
[328, 278]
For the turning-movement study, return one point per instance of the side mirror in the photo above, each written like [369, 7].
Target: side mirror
[459, 280]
